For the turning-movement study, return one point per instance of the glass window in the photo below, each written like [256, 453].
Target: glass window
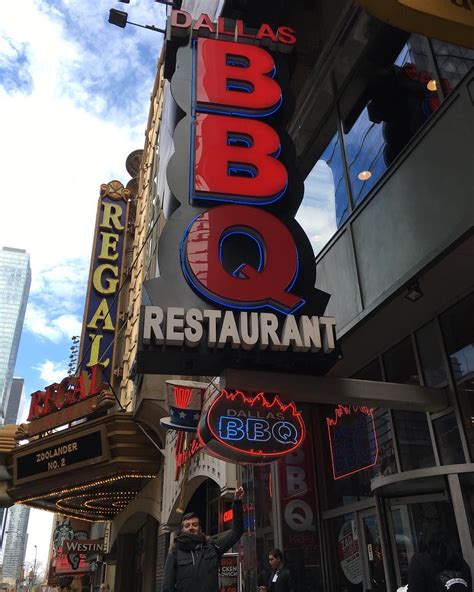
[359, 448]
[400, 364]
[448, 440]
[458, 330]
[414, 441]
[412, 521]
[453, 61]
[431, 356]
[325, 204]
[411, 427]
[373, 371]
[345, 557]
[467, 488]
[386, 464]
[382, 115]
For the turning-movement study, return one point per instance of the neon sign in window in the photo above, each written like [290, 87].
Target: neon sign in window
[352, 440]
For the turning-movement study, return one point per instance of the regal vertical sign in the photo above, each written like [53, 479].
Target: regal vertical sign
[102, 306]
[238, 272]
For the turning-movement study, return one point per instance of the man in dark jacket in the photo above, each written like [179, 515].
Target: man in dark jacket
[280, 579]
[192, 564]
[437, 562]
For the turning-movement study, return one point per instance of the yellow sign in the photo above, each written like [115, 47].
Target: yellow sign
[447, 20]
[459, 11]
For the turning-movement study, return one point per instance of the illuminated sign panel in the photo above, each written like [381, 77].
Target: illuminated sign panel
[60, 403]
[237, 271]
[101, 310]
[70, 453]
[352, 440]
[96, 546]
[250, 429]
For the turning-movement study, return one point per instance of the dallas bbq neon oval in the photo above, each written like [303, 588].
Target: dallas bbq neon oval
[250, 429]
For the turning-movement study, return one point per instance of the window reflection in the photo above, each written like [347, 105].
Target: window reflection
[411, 427]
[431, 356]
[325, 198]
[454, 62]
[458, 329]
[448, 440]
[397, 103]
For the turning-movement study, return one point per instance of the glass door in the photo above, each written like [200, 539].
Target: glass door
[372, 551]
[411, 519]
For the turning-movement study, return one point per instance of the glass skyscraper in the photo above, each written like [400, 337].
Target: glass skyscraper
[15, 281]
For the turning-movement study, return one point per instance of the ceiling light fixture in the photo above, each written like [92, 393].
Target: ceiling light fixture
[414, 292]
[364, 175]
[432, 86]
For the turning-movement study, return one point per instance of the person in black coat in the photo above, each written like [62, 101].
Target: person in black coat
[280, 578]
[436, 555]
[192, 564]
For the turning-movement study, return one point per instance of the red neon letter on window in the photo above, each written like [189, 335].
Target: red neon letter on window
[246, 286]
[235, 78]
[234, 162]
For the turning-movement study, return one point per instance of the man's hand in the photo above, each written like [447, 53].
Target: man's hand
[239, 493]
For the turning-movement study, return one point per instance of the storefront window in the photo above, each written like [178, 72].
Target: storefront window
[467, 487]
[458, 330]
[372, 371]
[448, 440]
[350, 445]
[413, 521]
[431, 356]
[386, 464]
[345, 557]
[453, 61]
[411, 427]
[325, 205]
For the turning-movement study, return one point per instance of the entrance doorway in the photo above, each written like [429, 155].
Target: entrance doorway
[355, 552]
[410, 518]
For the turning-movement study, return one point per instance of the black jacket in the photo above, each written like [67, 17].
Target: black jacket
[423, 570]
[196, 570]
[284, 581]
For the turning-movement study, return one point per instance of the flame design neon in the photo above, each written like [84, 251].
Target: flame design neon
[340, 412]
[259, 400]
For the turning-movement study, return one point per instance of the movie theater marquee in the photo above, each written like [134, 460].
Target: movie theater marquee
[237, 284]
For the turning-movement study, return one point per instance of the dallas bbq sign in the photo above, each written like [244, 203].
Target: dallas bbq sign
[232, 242]
[250, 429]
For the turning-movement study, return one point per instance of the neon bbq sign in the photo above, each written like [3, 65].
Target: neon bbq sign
[251, 429]
[352, 440]
[233, 242]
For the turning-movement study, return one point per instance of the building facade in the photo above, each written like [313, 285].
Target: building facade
[16, 539]
[381, 122]
[14, 400]
[15, 281]
[381, 125]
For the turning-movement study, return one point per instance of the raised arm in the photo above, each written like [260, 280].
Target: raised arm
[224, 541]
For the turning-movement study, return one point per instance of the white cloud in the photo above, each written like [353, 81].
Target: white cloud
[84, 110]
[317, 211]
[52, 371]
[54, 329]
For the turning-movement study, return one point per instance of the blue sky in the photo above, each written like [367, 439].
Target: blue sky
[74, 97]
